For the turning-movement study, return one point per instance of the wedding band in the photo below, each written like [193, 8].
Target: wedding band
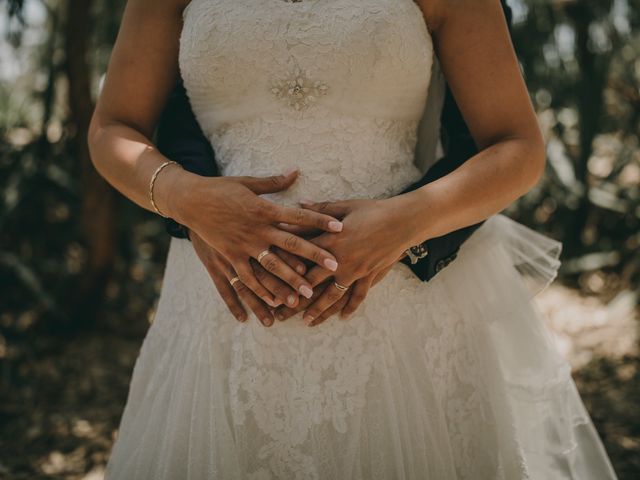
[234, 280]
[262, 255]
[342, 288]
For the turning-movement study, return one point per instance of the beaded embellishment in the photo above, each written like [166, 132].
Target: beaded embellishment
[298, 91]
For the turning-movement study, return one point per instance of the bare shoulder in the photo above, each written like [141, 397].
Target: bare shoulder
[479, 62]
[438, 12]
[165, 7]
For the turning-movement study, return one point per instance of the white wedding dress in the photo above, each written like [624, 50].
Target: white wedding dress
[457, 378]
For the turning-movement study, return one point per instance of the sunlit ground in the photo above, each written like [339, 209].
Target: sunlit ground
[61, 421]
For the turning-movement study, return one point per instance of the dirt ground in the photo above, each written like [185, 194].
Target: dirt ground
[59, 419]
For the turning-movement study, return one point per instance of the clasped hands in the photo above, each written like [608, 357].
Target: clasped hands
[352, 243]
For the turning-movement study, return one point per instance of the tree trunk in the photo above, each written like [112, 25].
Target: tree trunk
[98, 198]
[590, 103]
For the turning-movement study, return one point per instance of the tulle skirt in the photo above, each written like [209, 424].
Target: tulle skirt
[457, 378]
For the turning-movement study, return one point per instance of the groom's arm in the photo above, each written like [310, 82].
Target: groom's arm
[180, 138]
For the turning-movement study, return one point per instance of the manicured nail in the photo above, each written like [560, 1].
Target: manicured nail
[306, 202]
[308, 319]
[331, 264]
[301, 269]
[289, 171]
[306, 291]
[279, 316]
[291, 300]
[335, 226]
[270, 302]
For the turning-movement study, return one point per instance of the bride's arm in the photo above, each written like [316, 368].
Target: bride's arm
[226, 212]
[142, 71]
[481, 68]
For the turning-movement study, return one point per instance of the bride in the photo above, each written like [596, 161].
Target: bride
[455, 378]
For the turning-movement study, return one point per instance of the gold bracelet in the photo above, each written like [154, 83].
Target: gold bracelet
[152, 184]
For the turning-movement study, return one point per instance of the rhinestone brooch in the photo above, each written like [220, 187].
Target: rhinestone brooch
[298, 91]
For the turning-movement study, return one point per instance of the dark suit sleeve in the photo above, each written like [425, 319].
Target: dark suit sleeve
[180, 138]
[460, 146]
[443, 250]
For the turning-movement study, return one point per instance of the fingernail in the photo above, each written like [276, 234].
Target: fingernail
[301, 269]
[306, 291]
[269, 302]
[308, 319]
[289, 171]
[291, 300]
[331, 264]
[306, 202]
[279, 316]
[335, 226]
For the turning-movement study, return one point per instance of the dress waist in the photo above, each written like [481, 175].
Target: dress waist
[339, 158]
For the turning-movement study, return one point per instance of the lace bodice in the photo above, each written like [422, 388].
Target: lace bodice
[334, 87]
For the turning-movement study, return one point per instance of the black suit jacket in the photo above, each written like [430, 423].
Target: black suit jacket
[180, 138]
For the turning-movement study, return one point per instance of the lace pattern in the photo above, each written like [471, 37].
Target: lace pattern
[367, 71]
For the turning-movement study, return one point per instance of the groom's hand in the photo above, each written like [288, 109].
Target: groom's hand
[235, 295]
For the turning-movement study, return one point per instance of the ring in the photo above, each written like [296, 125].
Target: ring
[342, 288]
[234, 280]
[263, 254]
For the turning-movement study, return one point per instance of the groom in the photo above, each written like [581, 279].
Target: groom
[180, 138]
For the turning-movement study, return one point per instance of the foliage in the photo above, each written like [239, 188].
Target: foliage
[580, 59]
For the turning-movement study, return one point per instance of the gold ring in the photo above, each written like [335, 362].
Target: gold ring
[342, 288]
[234, 280]
[263, 254]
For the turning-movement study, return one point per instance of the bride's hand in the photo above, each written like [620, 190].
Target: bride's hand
[375, 236]
[228, 214]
